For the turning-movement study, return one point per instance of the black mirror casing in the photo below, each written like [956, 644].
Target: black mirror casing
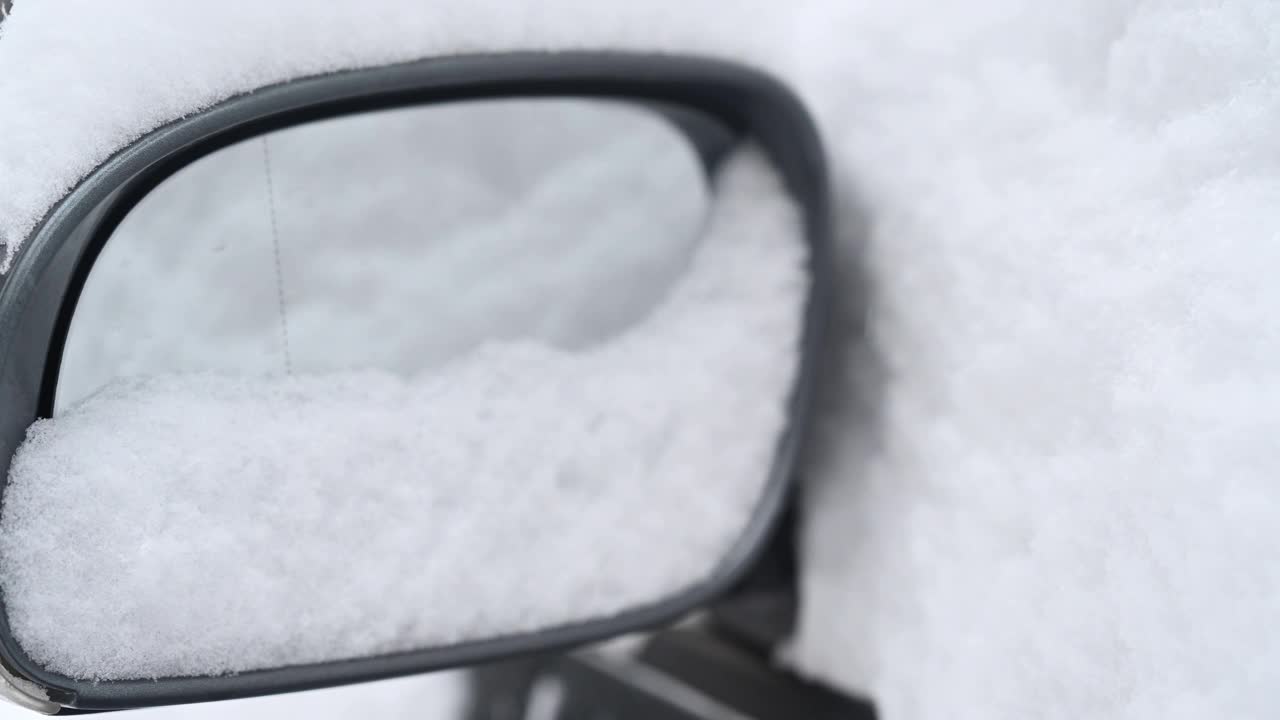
[38, 297]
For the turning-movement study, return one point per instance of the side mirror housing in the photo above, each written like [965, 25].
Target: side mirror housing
[273, 417]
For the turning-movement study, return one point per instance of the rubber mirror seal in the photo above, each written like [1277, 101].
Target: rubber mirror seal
[39, 293]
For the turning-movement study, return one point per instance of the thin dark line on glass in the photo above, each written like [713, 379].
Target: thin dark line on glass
[275, 247]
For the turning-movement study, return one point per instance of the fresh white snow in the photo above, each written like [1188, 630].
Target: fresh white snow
[1052, 489]
[1048, 485]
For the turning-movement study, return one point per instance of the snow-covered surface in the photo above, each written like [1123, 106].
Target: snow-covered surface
[1055, 492]
[252, 521]
[1048, 483]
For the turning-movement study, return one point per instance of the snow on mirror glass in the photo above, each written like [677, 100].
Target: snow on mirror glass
[404, 379]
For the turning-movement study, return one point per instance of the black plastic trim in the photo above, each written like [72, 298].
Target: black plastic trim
[38, 295]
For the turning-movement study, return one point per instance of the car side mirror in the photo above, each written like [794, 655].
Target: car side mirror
[403, 369]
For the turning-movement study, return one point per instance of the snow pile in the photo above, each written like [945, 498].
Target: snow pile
[246, 522]
[1052, 491]
[1048, 488]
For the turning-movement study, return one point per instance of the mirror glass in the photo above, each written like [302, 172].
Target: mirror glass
[403, 379]
[394, 240]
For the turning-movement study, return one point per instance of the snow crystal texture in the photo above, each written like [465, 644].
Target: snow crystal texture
[197, 524]
[1047, 487]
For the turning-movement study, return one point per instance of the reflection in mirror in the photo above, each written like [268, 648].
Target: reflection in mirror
[394, 240]
[404, 379]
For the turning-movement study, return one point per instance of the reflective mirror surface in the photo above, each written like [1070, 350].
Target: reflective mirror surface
[394, 240]
[406, 379]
